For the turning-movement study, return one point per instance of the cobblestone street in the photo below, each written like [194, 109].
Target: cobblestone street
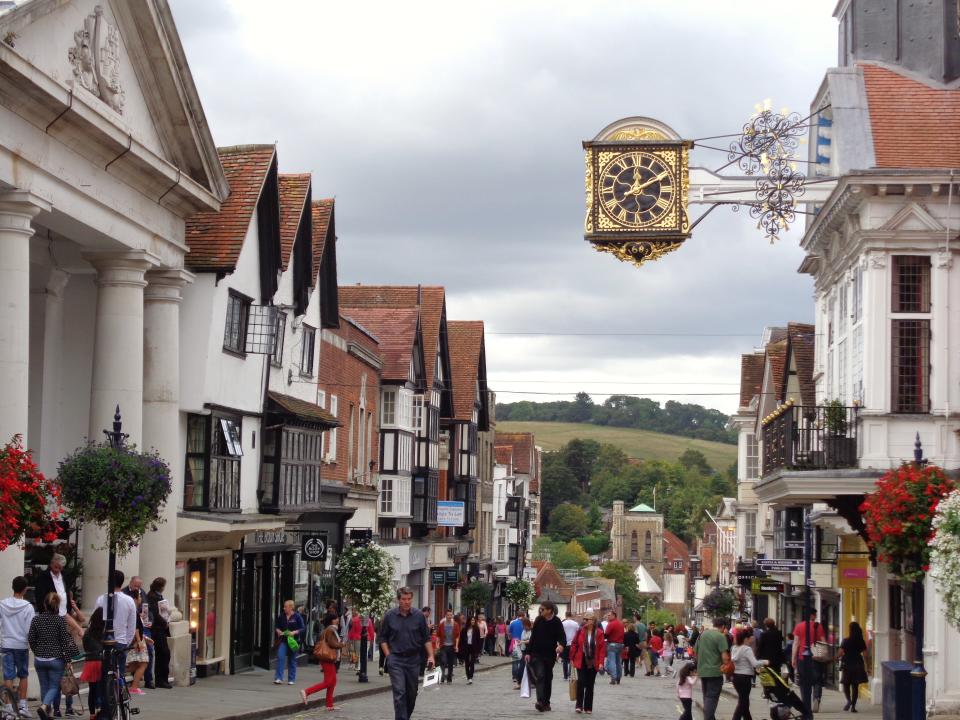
[492, 696]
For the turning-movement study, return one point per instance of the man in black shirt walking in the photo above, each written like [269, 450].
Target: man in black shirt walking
[403, 636]
[547, 641]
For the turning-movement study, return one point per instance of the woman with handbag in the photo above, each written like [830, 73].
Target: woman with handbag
[745, 665]
[49, 638]
[138, 656]
[852, 666]
[326, 652]
[289, 631]
[587, 654]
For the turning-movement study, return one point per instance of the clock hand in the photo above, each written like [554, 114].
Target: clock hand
[649, 182]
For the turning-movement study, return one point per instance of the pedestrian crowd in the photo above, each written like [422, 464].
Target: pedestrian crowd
[60, 637]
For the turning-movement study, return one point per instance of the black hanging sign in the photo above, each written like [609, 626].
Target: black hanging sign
[313, 547]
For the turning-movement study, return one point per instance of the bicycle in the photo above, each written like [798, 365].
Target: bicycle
[116, 696]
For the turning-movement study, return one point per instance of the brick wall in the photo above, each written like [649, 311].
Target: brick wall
[349, 382]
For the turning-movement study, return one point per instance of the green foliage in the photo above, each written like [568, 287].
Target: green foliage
[594, 518]
[694, 421]
[567, 521]
[475, 595]
[543, 547]
[835, 417]
[521, 593]
[365, 576]
[625, 584]
[571, 556]
[696, 460]
[595, 543]
[660, 616]
[580, 456]
[558, 484]
[122, 490]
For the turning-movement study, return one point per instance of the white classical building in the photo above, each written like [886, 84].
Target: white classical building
[882, 252]
[104, 154]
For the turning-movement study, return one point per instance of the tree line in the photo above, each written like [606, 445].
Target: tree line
[673, 418]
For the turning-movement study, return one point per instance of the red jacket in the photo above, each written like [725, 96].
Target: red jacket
[614, 631]
[354, 632]
[599, 648]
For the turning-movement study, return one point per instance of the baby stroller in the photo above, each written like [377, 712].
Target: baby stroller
[783, 700]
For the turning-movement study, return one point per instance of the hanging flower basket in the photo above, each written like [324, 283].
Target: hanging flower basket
[721, 602]
[898, 516]
[122, 490]
[29, 502]
[945, 555]
[365, 575]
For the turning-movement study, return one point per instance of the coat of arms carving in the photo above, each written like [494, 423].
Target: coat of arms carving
[95, 57]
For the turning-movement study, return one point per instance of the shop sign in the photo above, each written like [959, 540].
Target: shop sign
[853, 571]
[267, 538]
[451, 513]
[313, 547]
[766, 586]
[437, 577]
[452, 575]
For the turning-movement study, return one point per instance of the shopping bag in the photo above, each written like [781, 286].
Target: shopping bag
[573, 684]
[525, 684]
[431, 677]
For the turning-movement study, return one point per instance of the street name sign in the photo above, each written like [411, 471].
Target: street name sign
[780, 565]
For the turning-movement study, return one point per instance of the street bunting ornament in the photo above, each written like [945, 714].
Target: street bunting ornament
[639, 183]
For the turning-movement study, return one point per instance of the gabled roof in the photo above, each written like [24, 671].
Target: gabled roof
[751, 377]
[801, 339]
[216, 238]
[914, 125]
[294, 189]
[465, 338]
[322, 217]
[522, 444]
[396, 329]
[503, 454]
[432, 304]
[675, 544]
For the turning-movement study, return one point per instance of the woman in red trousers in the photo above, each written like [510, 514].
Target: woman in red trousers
[332, 637]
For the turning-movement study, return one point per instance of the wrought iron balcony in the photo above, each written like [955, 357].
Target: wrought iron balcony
[797, 437]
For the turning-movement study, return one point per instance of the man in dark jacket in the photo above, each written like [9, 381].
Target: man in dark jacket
[770, 645]
[547, 641]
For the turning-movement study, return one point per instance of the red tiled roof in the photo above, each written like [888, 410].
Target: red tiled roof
[522, 449]
[432, 304]
[322, 213]
[777, 355]
[465, 339]
[293, 195]
[751, 377]
[676, 545]
[801, 340]
[396, 329]
[503, 454]
[914, 125]
[215, 238]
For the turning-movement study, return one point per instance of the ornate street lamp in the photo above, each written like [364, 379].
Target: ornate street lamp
[919, 673]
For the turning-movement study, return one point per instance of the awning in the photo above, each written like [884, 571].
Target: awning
[302, 412]
[223, 529]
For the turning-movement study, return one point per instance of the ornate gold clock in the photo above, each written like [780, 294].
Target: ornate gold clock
[637, 184]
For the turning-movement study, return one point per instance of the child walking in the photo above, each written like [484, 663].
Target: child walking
[686, 679]
[667, 652]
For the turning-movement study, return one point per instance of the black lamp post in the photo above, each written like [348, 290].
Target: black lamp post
[117, 439]
[918, 675]
[806, 659]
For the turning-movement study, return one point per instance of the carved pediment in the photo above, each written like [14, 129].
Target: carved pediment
[95, 57]
[915, 217]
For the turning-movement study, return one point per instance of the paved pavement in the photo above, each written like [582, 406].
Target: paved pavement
[253, 696]
[831, 706]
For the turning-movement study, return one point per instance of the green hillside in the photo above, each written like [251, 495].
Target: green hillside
[640, 444]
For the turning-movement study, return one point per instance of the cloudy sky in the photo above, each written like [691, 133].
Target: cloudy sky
[450, 135]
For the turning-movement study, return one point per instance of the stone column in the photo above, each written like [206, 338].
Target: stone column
[46, 351]
[17, 211]
[117, 380]
[161, 411]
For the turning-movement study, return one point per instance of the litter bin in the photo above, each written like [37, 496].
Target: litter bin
[897, 690]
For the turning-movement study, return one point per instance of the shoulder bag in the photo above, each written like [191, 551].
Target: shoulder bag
[68, 683]
[323, 652]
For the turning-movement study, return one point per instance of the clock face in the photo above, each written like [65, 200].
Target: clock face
[637, 189]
